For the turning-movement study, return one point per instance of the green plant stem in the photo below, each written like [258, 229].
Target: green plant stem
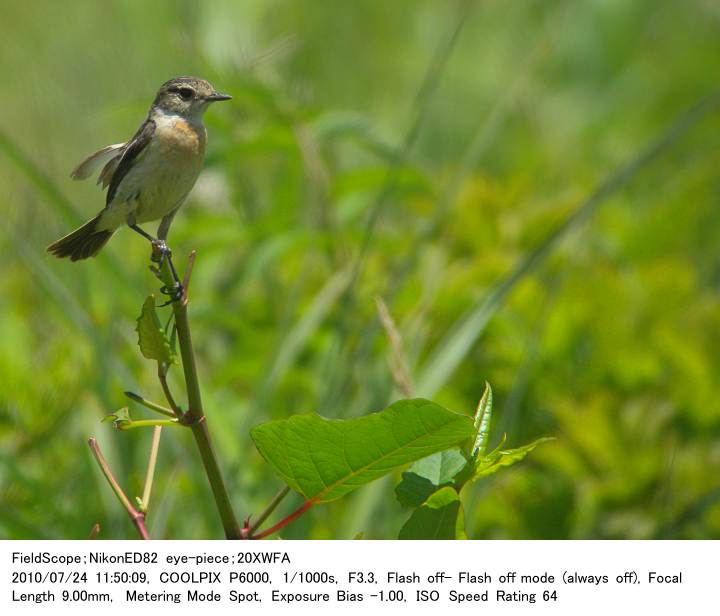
[150, 474]
[285, 521]
[162, 377]
[144, 423]
[136, 517]
[199, 425]
[153, 406]
[421, 105]
[195, 416]
[398, 364]
[277, 499]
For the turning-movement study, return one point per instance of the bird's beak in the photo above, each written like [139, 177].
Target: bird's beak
[217, 96]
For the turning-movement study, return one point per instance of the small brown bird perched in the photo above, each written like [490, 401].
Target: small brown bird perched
[148, 177]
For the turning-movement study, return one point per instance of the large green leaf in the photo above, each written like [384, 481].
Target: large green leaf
[152, 340]
[440, 517]
[324, 459]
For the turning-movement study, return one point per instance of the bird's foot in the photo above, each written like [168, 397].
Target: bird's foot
[175, 292]
[160, 252]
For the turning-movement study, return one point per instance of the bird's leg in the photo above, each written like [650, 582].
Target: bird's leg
[161, 251]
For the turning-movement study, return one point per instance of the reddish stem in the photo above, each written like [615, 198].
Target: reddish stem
[137, 517]
[285, 521]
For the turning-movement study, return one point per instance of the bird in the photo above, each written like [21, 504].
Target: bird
[148, 177]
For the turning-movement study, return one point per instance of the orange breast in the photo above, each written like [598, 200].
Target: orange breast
[180, 139]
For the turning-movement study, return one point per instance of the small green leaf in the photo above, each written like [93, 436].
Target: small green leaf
[498, 459]
[324, 459]
[119, 418]
[483, 416]
[151, 336]
[440, 517]
[428, 475]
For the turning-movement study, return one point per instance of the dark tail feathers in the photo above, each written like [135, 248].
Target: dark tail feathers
[82, 243]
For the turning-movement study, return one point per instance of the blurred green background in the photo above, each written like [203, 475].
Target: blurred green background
[422, 151]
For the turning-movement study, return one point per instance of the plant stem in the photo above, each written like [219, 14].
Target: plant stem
[153, 406]
[137, 517]
[152, 461]
[277, 499]
[144, 423]
[285, 521]
[195, 416]
[162, 377]
[199, 426]
[398, 363]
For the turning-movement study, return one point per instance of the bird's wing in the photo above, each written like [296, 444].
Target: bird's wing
[133, 150]
[108, 171]
[87, 167]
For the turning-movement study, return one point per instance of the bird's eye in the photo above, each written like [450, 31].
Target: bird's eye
[186, 93]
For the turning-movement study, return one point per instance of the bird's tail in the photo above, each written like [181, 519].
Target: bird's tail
[82, 243]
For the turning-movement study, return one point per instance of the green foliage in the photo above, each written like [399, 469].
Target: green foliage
[439, 517]
[605, 334]
[427, 475]
[483, 417]
[499, 458]
[433, 484]
[326, 459]
[152, 340]
[119, 419]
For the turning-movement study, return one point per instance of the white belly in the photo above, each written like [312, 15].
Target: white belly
[162, 185]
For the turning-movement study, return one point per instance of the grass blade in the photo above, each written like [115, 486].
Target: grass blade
[461, 338]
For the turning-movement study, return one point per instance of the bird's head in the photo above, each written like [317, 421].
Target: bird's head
[187, 96]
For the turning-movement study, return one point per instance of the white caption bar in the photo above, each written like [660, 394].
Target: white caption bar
[387, 577]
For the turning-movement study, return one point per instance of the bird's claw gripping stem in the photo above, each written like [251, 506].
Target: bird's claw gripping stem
[175, 292]
[160, 253]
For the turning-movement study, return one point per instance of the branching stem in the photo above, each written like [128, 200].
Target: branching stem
[277, 499]
[150, 474]
[285, 521]
[153, 406]
[162, 377]
[195, 416]
[144, 423]
[136, 517]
